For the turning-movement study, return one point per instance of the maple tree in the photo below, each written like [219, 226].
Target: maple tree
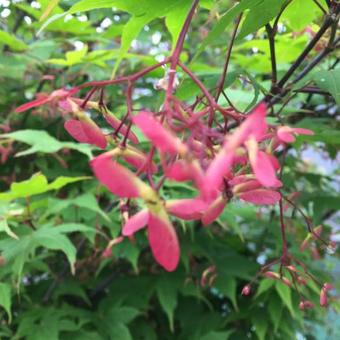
[218, 152]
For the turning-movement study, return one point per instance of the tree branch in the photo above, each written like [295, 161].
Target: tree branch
[330, 19]
[271, 37]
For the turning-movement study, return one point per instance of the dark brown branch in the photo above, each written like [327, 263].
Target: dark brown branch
[313, 63]
[330, 19]
[320, 6]
[271, 38]
[313, 90]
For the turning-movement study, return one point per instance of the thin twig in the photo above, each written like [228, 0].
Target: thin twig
[177, 52]
[320, 6]
[283, 233]
[227, 58]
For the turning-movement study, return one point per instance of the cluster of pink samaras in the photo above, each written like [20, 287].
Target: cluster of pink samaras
[184, 147]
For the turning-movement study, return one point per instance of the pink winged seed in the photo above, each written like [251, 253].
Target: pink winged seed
[264, 170]
[44, 99]
[254, 125]
[138, 160]
[260, 196]
[179, 171]
[163, 139]
[33, 103]
[183, 170]
[287, 134]
[119, 180]
[74, 128]
[163, 242]
[214, 210]
[86, 132]
[136, 222]
[188, 209]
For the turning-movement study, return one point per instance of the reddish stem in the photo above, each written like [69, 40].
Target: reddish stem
[177, 52]
[227, 59]
[283, 234]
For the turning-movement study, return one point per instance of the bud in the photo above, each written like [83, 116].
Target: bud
[107, 252]
[272, 275]
[305, 305]
[323, 298]
[286, 281]
[291, 268]
[246, 290]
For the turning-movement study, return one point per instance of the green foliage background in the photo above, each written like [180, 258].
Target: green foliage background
[54, 226]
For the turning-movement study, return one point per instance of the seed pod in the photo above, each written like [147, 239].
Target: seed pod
[272, 275]
[291, 268]
[286, 281]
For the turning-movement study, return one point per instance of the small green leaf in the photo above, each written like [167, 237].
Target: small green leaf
[292, 14]
[261, 325]
[72, 58]
[260, 15]
[4, 227]
[264, 286]
[54, 240]
[119, 331]
[175, 19]
[275, 309]
[36, 185]
[63, 180]
[141, 15]
[285, 295]
[70, 228]
[224, 22]
[10, 40]
[122, 314]
[227, 286]
[41, 141]
[72, 288]
[88, 5]
[50, 7]
[5, 298]
[329, 81]
[167, 295]
[86, 201]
